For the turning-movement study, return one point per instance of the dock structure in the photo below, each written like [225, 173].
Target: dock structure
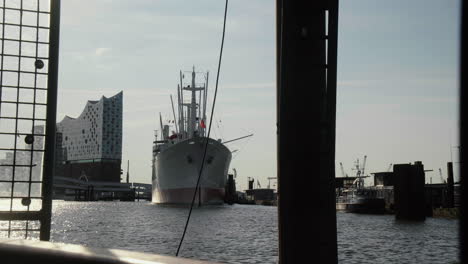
[450, 186]
[79, 190]
[230, 196]
[409, 194]
[437, 196]
[262, 196]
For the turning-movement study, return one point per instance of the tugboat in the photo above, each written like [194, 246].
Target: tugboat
[358, 198]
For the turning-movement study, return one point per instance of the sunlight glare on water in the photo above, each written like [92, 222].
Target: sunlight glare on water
[245, 233]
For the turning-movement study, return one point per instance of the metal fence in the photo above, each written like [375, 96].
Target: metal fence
[29, 32]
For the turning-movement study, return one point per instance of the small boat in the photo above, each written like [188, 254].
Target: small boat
[360, 200]
[357, 198]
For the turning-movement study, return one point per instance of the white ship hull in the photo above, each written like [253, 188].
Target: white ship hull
[176, 169]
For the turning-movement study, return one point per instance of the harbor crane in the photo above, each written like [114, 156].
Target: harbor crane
[430, 179]
[364, 165]
[342, 170]
[359, 182]
[358, 170]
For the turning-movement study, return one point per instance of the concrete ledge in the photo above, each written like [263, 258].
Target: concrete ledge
[33, 251]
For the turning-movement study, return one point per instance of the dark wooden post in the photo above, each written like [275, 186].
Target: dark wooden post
[463, 130]
[306, 106]
[410, 202]
[450, 185]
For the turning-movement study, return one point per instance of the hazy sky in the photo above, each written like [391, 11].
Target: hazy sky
[397, 76]
[398, 83]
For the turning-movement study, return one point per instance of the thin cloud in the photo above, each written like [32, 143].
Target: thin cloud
[260, 85]
[101, 51]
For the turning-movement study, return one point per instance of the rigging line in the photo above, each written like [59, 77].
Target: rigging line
[216, 129]
[209, 130]
[240, 148]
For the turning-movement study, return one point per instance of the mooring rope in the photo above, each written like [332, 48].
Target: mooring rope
[209, 130]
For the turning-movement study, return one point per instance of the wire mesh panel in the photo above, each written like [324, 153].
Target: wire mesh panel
[28, 73]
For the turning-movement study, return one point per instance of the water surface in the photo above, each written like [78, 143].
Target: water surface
[245, 233]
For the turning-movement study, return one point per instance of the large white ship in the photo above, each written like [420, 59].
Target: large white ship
[178, 155]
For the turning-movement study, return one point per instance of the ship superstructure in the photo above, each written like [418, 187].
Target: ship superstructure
[178, 154]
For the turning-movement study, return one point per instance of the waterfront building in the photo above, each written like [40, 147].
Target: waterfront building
[91, 145]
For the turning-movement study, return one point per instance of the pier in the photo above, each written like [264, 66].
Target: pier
[79, 190]
[406, 195]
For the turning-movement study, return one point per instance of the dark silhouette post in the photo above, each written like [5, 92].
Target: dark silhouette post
[409, 196]
[230, 190]
[128, 171]
[450, 187]
[251, 184]
[463, 129]
[306, 105]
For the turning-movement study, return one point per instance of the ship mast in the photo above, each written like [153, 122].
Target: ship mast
[205, 97]
[193, 106]
[194, 110]
[180, 117]
[162, 127]
[181, 107]
[175, 119]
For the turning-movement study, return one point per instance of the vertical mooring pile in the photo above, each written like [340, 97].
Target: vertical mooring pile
[409, 196]
[450, 200]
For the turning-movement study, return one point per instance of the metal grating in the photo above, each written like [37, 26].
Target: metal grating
[28, 89]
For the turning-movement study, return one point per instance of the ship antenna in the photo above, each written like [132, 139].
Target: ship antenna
[209, 130]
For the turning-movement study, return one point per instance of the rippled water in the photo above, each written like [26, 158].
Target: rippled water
[382, 239]
[233, 234]
[245, 233]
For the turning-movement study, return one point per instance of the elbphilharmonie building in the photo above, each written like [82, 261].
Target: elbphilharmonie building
[89, 147]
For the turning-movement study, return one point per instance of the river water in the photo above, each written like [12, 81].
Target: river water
[245, 233]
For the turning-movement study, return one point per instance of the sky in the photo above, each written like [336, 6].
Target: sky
[398, 84]
[397, 76]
